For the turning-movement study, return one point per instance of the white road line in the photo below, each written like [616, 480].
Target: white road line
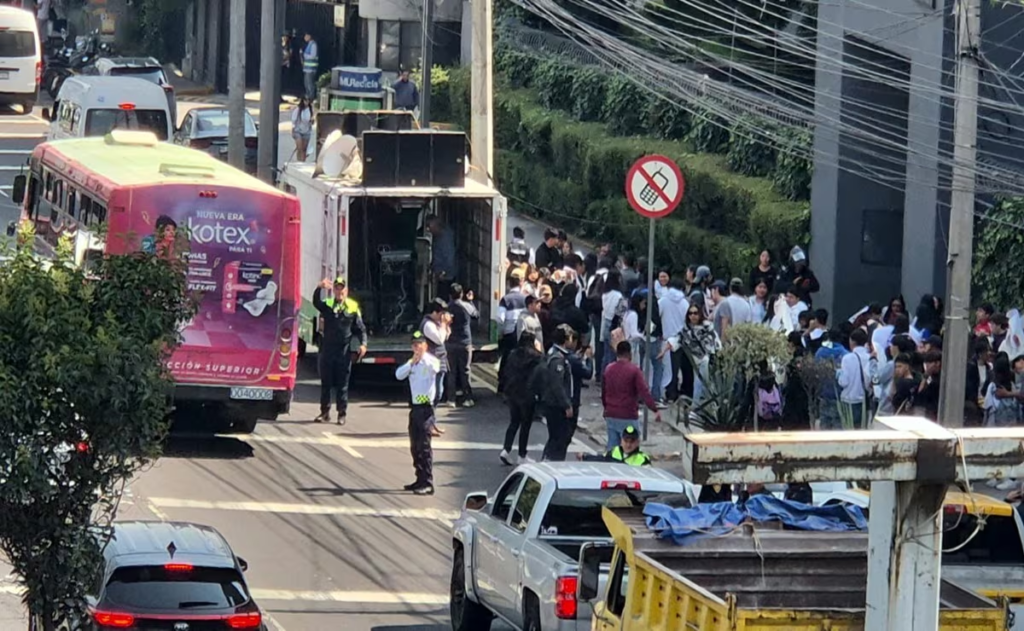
[15, 152]
[358, 598]
[27, 120]
[337, 441]
[438, 444]
[6, 136]
[20, 167]
[431, 514]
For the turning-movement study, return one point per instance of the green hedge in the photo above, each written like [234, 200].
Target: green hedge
[567, 136]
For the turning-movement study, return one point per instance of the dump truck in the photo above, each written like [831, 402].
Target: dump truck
[757, 577]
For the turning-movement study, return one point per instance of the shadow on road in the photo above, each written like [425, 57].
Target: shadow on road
[206, 447]
[338, 491]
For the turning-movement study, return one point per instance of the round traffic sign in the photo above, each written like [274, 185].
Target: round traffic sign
[654, 186]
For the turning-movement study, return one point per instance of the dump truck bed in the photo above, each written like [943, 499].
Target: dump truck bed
[763, 578]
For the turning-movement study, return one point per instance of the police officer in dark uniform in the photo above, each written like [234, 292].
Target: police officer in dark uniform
[342, 319]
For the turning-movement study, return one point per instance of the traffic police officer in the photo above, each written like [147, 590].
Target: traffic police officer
[627, 451]
[421, 371]
[342, 319]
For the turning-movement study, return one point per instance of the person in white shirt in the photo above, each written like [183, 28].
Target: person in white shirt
[421, 371]
[855, 378]
[529, 320]
[302, 129]
[794, 299]
[673, 307]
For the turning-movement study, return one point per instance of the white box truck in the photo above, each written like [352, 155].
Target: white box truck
[376, 238]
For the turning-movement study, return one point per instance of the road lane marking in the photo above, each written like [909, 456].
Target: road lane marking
[356, 598]
[20, 167]
[27, 120]
[15, 152]
[335, 440]
[431, 514]
[9, 136]
[438, 444]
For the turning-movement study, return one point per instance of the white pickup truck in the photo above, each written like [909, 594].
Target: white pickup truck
[516, 554]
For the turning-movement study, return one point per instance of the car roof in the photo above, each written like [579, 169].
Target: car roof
[21, 16]
[147, 543]
[590, 475]
[141, 62]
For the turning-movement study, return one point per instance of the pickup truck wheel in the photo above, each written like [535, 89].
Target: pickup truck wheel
[466, 614]
[531, 613]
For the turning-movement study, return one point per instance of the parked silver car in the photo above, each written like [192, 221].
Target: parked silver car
[206, 128]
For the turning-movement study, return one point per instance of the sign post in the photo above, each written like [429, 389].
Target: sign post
[654, 188]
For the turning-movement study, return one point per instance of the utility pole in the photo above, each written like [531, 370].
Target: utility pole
[427, 62]
[961, 215]
[481, 126]
[236, 85]
[270, 92]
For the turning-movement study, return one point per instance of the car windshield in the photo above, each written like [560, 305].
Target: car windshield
[17, 44]
[216, 123]
[577, 513]
[159, 588]
[153, 75]
[997, 542]
[99, 122]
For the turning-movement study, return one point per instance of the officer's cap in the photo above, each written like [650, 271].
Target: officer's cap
[631, 432]
[340, 282]
[418, 337]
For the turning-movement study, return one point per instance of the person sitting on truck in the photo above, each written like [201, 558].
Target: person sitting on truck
[627, 451]
[342, 318]
[421, 371]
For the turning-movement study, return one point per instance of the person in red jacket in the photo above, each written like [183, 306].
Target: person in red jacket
[622, 388]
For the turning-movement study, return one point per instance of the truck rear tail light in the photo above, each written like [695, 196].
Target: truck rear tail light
[113, 620]
[39, 73]
[620, 485]
[251, 620]
[565, 597]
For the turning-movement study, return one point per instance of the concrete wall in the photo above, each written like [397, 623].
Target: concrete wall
[912, 34]
[444, 10]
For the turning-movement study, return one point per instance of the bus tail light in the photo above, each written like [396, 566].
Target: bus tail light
[565, 597]
[208, 194]
[284, 364]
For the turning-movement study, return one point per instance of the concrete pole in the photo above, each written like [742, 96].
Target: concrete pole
[236, 86]
[200, 54]
[270, 92]
[482, 94]
[190, 39]
[213, 43]
[961, 216]
[427, 62]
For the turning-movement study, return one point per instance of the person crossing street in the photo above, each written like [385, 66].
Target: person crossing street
[421, 372]
[342, 319]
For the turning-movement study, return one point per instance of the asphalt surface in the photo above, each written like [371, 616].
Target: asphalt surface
[318, 511]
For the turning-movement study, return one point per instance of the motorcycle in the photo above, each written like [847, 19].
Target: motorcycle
[71, 61]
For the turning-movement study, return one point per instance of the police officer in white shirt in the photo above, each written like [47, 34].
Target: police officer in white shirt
[421, 371]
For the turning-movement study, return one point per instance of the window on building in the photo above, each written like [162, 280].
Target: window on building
[882, 238]
[399, 45]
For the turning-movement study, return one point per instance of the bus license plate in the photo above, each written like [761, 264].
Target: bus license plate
[252, 394]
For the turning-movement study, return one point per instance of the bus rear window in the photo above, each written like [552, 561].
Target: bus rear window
[577, 513]
[17, 44]
[99, 122]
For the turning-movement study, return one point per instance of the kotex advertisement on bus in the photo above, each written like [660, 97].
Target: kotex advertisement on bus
[241, 265]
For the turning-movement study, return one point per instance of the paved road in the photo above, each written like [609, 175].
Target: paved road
[18, 135]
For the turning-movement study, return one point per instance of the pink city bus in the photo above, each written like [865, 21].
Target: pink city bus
[237, 361]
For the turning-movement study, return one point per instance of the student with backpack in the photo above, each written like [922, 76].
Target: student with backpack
[769, 403]
[552, 384]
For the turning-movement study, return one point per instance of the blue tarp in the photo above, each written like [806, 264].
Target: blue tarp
[685, 524]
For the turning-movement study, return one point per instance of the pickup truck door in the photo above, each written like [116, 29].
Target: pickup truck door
[511, 540]
[488, 560]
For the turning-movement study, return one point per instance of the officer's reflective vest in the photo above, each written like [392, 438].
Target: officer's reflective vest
[349, 306]
[310, 57]
[637, 459]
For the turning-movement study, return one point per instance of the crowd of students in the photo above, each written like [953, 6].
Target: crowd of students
[593, 310]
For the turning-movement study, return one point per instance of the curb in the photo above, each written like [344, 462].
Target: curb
[197, 91]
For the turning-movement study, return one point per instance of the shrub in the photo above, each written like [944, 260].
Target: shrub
[554, 81]
[667, 121]
[440, 91]
[625, 107]
[708, 133]
[793, 166]
[515, 67]
[749, 152]
[588, 95]
[999, 254]
[459, 87]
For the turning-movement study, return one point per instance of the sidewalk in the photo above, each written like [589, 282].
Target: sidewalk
[12, 612]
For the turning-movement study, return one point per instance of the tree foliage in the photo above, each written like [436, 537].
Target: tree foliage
[999, 255]
[83, 405]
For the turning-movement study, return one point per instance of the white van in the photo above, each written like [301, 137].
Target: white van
[92, 106]
[21, 62]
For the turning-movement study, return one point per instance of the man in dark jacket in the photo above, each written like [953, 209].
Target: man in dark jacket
[565, 311]
[342, 318]
[520, 367]
[460, 344]
[549, 253]
[552, 383]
